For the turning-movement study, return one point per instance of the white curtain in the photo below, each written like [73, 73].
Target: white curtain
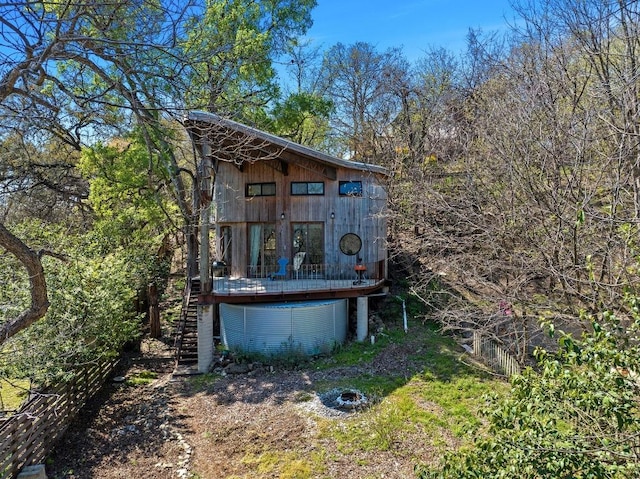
[255, 238]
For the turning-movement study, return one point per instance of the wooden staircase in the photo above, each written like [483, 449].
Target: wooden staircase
[186, 343]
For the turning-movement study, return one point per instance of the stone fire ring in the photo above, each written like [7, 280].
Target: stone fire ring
[350, 399]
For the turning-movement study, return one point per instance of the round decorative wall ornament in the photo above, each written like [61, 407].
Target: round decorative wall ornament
[350, 244]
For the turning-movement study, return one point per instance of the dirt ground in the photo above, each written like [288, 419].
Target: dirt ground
[201, 427]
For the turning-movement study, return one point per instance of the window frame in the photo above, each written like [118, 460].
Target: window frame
[345, 184]
[311, 240]
[262, 186]
[307, 183]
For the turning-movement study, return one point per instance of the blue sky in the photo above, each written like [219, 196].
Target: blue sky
[415, 25]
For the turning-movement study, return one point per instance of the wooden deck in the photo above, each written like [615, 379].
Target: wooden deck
[242, 290]
[233, 286]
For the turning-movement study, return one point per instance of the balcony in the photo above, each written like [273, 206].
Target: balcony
[305, 282]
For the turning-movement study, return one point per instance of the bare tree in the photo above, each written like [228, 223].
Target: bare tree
[359, 80]
[536, 216]
[606, 35]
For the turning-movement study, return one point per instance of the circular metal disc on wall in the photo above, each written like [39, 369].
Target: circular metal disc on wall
[350, 244]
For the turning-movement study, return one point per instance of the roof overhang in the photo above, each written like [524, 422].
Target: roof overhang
[204, 126]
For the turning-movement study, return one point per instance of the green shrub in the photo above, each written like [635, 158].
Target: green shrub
[575, 416]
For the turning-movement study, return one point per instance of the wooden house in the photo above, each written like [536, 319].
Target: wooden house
[288, 222]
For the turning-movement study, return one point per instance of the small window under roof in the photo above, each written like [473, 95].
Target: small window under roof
[350, 188]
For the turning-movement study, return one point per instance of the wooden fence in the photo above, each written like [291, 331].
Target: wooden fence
[494, 355]
[28, 436]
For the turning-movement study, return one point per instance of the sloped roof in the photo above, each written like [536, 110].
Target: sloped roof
[287, 145]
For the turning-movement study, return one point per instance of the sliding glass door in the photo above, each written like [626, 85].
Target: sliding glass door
[262, 249]
[308, 248]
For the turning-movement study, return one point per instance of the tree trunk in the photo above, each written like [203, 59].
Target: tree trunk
[39, 300]
[192, 249]
[154, 312]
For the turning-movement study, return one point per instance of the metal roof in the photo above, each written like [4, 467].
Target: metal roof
[212, 118]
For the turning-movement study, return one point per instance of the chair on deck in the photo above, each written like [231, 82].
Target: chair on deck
[282, 272]
[298, 259]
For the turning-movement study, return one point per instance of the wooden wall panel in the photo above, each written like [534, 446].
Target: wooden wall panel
[364, 216]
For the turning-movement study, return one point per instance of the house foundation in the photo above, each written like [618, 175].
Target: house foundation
[205, 337]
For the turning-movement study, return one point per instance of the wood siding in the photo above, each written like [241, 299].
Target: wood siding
[364, 216]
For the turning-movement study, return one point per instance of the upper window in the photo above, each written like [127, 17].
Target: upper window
[260, 189]
[350, 188]
[307, 188]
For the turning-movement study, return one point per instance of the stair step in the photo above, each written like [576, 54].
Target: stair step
[187, 329]
[187, 361]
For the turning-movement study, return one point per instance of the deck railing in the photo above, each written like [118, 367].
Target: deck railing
[313, 271]
[306, 277]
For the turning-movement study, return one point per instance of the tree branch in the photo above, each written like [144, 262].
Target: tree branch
[30, 259]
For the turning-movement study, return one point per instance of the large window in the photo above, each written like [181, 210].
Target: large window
[350, 188]
[308, 238]
[262, 249]
[260, 189]
[307, 188]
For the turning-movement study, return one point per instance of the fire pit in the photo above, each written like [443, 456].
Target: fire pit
[351, 399]
[340, 402]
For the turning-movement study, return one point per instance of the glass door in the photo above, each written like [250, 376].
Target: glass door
[308, 249]
[262, 249]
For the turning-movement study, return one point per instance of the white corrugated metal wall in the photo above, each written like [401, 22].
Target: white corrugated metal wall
[276, 328]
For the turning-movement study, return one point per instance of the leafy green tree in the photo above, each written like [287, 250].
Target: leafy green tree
[39, 179]
[573, 416]
[84, 72]
[73, 71]
[126, 192]
[303, 118]
[303, 111]
[92, 292]
[231, 44]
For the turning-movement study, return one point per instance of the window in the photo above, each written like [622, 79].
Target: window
[309, 238]
[307, 188]
[350, 188]
[260, 189]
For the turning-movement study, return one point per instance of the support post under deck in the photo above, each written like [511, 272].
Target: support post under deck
[363, 318]
[205, 337]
